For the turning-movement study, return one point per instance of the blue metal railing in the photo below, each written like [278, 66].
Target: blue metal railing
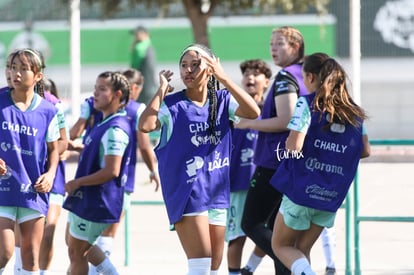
[359, 218]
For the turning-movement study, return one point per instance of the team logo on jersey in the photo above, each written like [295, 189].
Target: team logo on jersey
[313, 164]
[329, 146]
[5, 146]
[251, 136]
[124, 179]
[22, 151]
[193, 165]
[78, 194]
[5, 186]
[88, 140]
[198, 140]
[202, 136]
[246, 155]
[27, 187]
[320, 193]
[21, 129]
[218, 162]
[128, 161]
[7, 175]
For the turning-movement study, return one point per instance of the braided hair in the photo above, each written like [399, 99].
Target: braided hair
[212, 85]
[118, 82]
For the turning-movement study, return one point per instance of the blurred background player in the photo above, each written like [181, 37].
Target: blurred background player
[90, 117]
[256, 76]
[143, 59]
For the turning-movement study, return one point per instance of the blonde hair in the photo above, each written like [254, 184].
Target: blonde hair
[293, 36]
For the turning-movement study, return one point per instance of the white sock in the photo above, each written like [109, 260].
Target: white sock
[43, 272]
[1, 270]
[106, 268]
[214, 272]
[17, 261]
[25, 272]
[234, 272]
[328, 239]
[253, 262]
[199, 266]
[105, 244]
[302, 267]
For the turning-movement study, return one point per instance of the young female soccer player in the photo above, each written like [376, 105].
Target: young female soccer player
[96, 194]
[323, 149]
[256, 76]
[28, 122]
[194, 152]
[287, 48]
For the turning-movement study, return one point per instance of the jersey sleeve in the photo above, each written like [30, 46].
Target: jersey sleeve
[61, 115]
[301, 117]
[114, 141]
[285, 83]
[85, 110]
[364, 130]
[141, 109]
[233, 106]
[53, 133]
[166, 122]
[164, 117]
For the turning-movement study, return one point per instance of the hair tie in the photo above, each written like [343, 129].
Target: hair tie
[196, 49]
[37, 57]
